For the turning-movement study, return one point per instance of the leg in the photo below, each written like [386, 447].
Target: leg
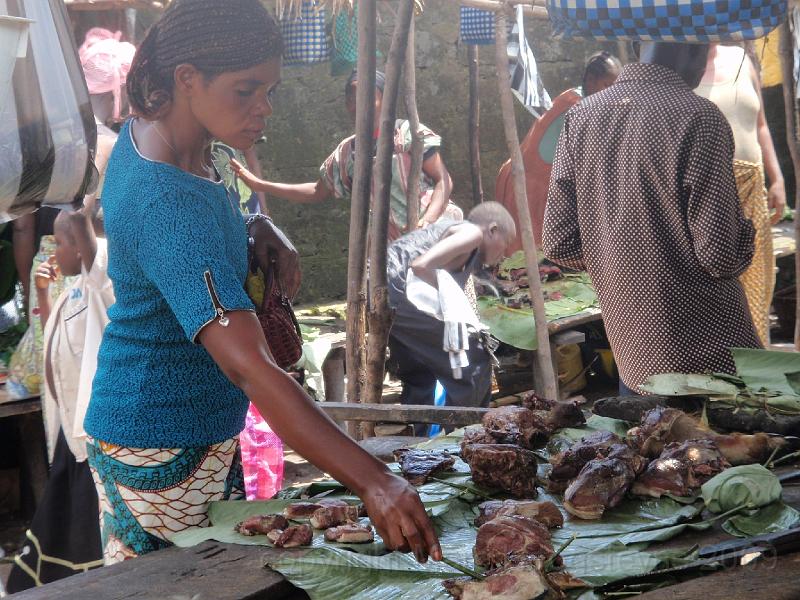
[624, 390]
[24, 251]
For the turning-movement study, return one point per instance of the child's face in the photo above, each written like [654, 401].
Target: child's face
[495, 243]
[67, 256]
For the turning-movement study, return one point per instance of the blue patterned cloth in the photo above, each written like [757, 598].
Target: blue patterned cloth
[666, 20]
[154, 387]
[305, 38]
[477, 26]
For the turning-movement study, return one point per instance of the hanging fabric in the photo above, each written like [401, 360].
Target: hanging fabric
[525, 81]
[344, 33]
[666, 20]
[477, 26]
[305, 37]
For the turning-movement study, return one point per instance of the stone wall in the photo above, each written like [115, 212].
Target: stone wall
[310, 119]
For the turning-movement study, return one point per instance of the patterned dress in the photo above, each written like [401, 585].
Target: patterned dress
[643, 197]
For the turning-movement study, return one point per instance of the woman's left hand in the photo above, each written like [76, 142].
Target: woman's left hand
[776, 201]
[271, 244]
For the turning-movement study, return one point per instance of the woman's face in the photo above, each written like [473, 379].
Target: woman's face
[233, 106]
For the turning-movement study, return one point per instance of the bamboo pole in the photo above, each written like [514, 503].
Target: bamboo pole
[359, 208]
[786, 52]
[417, 144]
[474, 125]
[379, 313]
[544, 373]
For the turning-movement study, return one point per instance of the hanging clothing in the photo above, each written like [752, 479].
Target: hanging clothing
[538, 150]
[525, 80]
[337, 173]
[147, 495]
[768, 53]
[643, 197]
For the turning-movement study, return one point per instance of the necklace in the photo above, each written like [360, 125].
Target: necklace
[158, 132]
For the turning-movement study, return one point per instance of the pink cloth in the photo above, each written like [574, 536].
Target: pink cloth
[106, 62]
[262, 457]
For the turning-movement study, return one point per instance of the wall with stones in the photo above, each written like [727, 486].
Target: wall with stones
[310, 119]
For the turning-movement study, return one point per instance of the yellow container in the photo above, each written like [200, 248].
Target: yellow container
[608, 362]
[570, 367]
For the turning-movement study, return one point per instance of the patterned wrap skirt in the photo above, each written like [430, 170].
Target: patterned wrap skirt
[759, 278]
[147, 495]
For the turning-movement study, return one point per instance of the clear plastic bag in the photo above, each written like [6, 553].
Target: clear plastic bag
[47, 129]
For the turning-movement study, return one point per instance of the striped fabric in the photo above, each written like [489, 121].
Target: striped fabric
[305, 37]
[666, 20]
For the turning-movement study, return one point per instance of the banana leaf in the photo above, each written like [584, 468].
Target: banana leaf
[594, 423]
[682, 384]
[769, 519]
[767, 369]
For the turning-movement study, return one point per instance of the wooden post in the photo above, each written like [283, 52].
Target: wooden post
[787, 68]
[359, 208]
[417, 145]
[379, 313]
[474, 125]
[544, 374]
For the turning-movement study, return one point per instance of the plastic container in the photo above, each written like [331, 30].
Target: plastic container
[13, 45]
[570, 368]
[608, 362]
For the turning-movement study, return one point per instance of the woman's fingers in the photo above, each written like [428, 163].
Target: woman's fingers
[408, 528]
[430, 538]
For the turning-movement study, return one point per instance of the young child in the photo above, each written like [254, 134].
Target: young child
[443, 256]
[65, 533]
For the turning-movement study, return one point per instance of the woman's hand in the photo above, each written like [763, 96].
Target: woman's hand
[776, 201]
[46, 273]
[254, 183]
[395, 509]
[271, 244]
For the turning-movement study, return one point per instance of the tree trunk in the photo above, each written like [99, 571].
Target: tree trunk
[417, 145]
[787, 69]
[359, 208]
[379, 314]
[544, 374]
[474, 125]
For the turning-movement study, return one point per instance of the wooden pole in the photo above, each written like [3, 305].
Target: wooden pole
[379, 313]
[359, 208]
[533, 8]
[474, 125]
[544, 373]
[786, 52]
[417, 144]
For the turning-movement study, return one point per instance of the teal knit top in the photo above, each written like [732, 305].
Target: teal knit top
[177, 257]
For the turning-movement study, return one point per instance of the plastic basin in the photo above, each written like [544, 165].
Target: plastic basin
[13, 45]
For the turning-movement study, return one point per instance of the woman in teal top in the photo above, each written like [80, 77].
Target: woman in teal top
[184, 351]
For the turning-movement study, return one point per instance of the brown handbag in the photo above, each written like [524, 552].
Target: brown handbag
[279, 322]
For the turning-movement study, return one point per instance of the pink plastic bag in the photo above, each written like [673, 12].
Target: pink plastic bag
[262, 457]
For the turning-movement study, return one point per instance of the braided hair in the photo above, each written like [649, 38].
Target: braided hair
[600, 65]
[214, 36]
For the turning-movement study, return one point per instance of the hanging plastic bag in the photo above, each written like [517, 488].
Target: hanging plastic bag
[304, 35]
[262, 457]
[47, 129]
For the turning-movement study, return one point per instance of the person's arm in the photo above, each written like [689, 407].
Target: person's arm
[451, 252]
[254, 166]
[776, 193]
[434, 168]
[721, 235]
[46, 274]
[561, 236]
[392, 503]
[301, 193]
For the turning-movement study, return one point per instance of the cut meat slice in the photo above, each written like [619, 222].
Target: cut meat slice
[332, 516]
[523, 582]
[261, 524]
[559, 413]
[291, 537]
[505, 540]
[517, 425]
[566, 465]
[303, 510]
[546, 513]
[681, 469]
[476, 435]
[504, 466]
[350, 534]
[600, 485]
[418, 465]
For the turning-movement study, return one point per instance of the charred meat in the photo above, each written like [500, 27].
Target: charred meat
[333, 516]
[504, 466]
[303, 510]
[546, 513]
[261, 524]
[662, 426]
[511, 540]
[681, 469]
[350, 534]
[522, 582]
[600, 485]
[418, 465]
[291, 537]
[566, 465]
[558, 413]
[517, 425]
[476, 435]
